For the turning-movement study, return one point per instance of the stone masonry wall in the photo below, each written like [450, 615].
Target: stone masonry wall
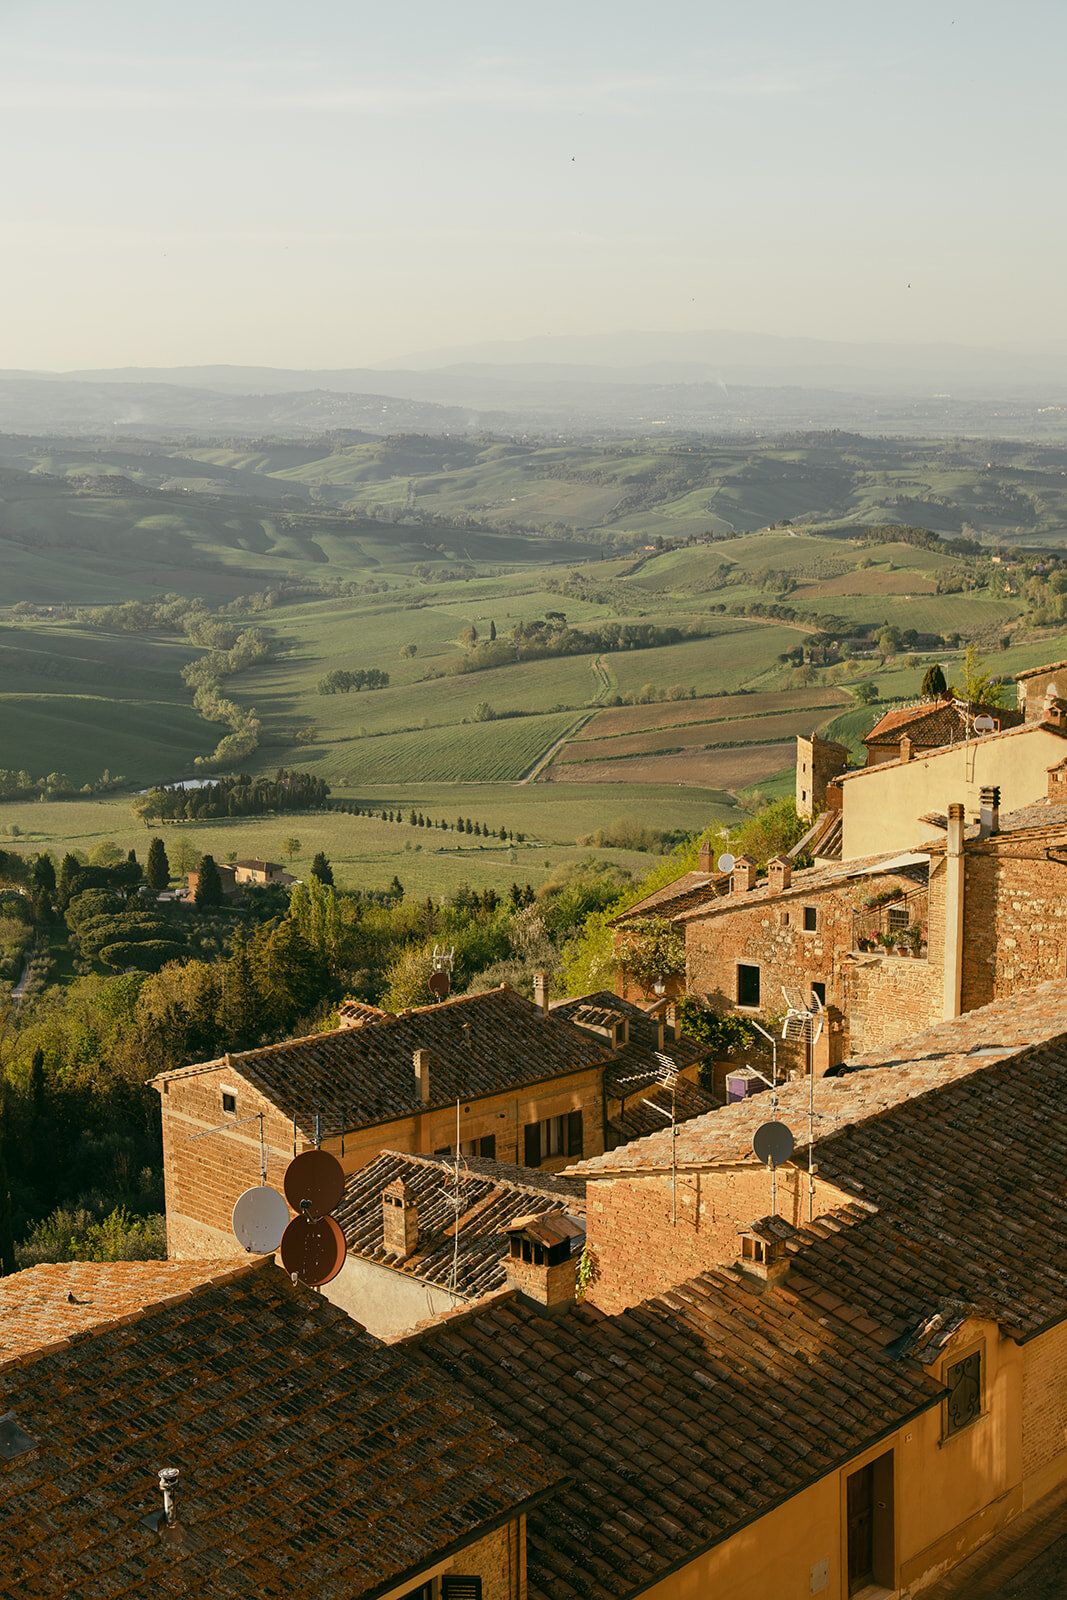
[889, 998]
[637, 1249]
[1044, 1399]
[1015, 911]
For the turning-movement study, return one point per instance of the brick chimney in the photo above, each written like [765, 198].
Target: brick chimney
[1057, 782]
[744, 875]
[779, 873]
[764, 1257]
[421, 1062]
[1054, 710]
[706, 857]
[540, 1265]
[953, 914]
[674, 1019]
[541, 992]
[989, 811]
[400, 1219]
[905, 747]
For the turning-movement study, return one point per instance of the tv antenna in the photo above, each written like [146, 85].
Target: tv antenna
[984, 724]
[440, 979]
[259, 1214]
[457, 1200]
[805, 1024]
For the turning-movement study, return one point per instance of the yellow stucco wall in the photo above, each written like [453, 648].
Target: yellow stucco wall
[882, 805]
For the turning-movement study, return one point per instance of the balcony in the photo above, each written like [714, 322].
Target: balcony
[893, 927]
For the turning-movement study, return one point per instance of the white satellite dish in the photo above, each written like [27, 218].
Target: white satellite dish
[725, 862]
[984, 725]
[260, 1217]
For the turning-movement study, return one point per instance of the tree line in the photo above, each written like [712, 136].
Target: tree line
[239, 796]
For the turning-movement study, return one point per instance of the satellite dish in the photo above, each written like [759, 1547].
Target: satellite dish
[314, 1250]
[259, 1219]
[984, 724]
[314, 1183]
[439, 984]
[725, 862]
[772, 1143]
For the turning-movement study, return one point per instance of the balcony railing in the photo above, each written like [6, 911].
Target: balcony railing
[895, 927]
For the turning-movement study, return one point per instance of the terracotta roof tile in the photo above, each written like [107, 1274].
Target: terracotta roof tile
[911, 866]
[934, 723]
[677, 1420]
[477, 1044]
[493, 1195]
[316, 1463]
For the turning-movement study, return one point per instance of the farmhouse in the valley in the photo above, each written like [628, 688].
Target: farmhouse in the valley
[303, 1459]
[491, 1074]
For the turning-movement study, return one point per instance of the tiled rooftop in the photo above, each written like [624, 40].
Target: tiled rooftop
[936, 722]
[634, 1063]
[910, 866]
[650, 1109]
[47, 1304]
[492, 1196]
[678, 1420]
[691, 888]
[315, 1463]
[478, 1045]
[928, 1060]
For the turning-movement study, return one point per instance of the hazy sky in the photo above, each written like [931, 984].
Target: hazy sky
[331, 183]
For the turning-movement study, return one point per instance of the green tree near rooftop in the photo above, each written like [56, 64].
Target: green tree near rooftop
[157, 867]
[208, 883]
[933, 684]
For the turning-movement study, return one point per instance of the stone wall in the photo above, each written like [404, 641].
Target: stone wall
[639, 1251]
[1044, 1420]
[1015, 916]
[889, 998]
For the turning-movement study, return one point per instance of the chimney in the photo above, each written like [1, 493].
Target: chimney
[674, 1020]
[400, 1219]
[1054, 710]
[779, 873]
[905, 747]
[989, 811]
[421, 1061]
[541, 1265]
[168, 1482]
[706, 857]
[764, 1258]
[954, 886]
[744, 875]
[541, 992]
[661, 1033]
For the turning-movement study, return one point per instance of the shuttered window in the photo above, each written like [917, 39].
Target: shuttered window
[532, 1156]
[455, 1587]
[555, 1136]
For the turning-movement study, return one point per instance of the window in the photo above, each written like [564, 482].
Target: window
[555, 1136]
[479, 1147]
[896, 919]
[818, 992]
[747, 985]
[229, 1100]
[455, 1587]
[423, 1592]
[963, 1401]
[811, 919]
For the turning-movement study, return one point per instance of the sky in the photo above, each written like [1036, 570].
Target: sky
[333, 184]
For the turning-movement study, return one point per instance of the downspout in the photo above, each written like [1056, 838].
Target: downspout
[954, 876]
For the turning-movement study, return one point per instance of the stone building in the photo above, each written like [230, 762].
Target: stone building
[844, 1389]
[312, 1462]
[504, 1078]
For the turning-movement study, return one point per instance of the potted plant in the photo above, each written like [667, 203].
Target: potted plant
[887, 941]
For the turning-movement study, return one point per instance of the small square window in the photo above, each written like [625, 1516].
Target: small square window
[229, 1101]
[963, 1402]
[747, 985]
[811, 919]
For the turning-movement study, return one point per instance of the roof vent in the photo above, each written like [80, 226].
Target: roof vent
[14, 1441]
[764, 1257]
[989, 811]
[542, 1264]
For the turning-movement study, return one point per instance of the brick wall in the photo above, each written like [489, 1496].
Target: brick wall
[889, 998]
[1015, 910]
[204, 1176]
[499, 1559]
[1044, 1399]
[639, 1251]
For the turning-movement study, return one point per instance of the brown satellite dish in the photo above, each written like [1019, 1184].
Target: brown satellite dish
[314, 1183]
[313, 1249]
[439, 984]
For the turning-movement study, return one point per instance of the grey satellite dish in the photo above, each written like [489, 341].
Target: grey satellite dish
[725, 862]
[984, 725]
[260, 1217]
[772, 1143]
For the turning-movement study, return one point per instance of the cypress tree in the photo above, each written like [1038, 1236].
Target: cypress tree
[157, 869]
[321, 869]
[933, 684]
[208, 883]
[69, 868]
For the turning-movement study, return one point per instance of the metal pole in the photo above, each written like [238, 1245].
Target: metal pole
[674, 1159]
[811, 1119]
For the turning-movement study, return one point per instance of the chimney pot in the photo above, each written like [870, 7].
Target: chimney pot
[541, 992]
[674, 1020]
[744, 876]
[543, 1273]
[706, 857]
[400, 1219]
[762, 1259]
[421, 1062]
[989, 811]
[779, 874]
[905, 747]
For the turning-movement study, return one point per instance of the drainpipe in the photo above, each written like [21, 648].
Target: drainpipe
[954, 872]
